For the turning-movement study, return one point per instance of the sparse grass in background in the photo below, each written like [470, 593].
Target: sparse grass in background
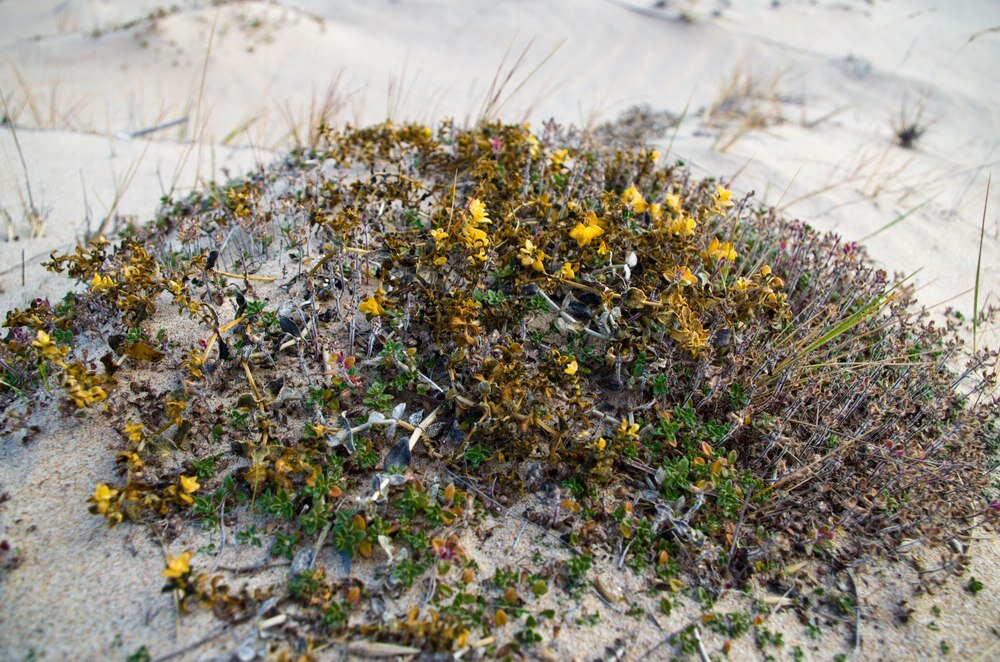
[28, 104]
[321, 115]
[908, 126]
[979, 267]
[747, 101]
[674, 383]
[500, 91]
[33, 215]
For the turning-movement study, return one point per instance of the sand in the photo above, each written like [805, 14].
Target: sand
[812, 135]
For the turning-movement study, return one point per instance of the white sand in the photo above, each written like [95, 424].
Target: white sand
[846, 70]
[855, 64]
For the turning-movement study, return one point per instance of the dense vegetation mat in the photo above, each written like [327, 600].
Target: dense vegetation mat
[366, 349]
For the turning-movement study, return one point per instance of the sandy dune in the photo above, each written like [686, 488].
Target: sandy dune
[811, 130]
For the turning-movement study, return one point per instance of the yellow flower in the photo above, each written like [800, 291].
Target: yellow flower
[531, 256]
[42, 340]
[765, 270]
[632, 199]
[178, 566]
[685, 277]
[189, 485]
[438, 235]
[474, 237]
[566, 271]
[628, 430]
[723, 197]
[587, 231]
[533, 141]
[602, 249]
[371, 306]
[571, 367]
[656, 211]
[82, 387]
[102, 498]
[101, 283]
[721, 250]
[559, 158]
[48, 348]
[684, 225]
[673, 202]
[478, 211]
[183, 494]
[134, 431]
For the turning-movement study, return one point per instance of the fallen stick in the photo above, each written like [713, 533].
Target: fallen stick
[128, 135]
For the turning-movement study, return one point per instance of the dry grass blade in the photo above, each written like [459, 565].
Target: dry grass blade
[820, 337]
[745, 102]
[32, 214]
[495, 98]
[197, 117]
[899, 219]
[121, 187]
[979, 267]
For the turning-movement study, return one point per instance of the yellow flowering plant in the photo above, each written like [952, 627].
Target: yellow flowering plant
[178, 567]
[587, 230]
[633, 200]
[588, 330]
[531, 257]
[723, 198]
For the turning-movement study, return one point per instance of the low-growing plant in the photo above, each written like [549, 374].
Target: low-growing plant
[689, 383]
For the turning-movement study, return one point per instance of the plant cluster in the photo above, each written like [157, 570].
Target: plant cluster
[408, 315]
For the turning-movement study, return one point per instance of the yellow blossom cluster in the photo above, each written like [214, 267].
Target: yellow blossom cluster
[558, 159]
[632, 199]
[720, 250]
[83, 387]
[723, 198]
[587, 230]
[106, 501]
[473, 235]
[374, 305]
[670, 217]
[101, 283]
[49, 350]
[181, 493]
[532, 256]
[179, 566]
